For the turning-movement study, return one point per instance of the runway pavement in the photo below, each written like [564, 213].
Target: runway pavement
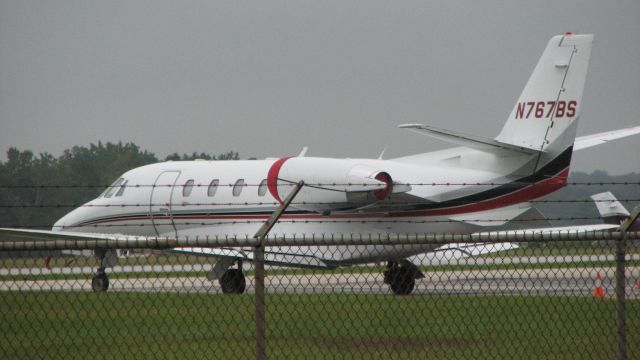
[423, 260]
[522, 282]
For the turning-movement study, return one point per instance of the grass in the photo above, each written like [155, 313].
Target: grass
[151, 325]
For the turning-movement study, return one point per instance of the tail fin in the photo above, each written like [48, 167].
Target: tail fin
[546, 114]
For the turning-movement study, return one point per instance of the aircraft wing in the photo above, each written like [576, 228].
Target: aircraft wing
[588, 141]
[271, 257]
[558, 229]
[281, 257]
[9, 234]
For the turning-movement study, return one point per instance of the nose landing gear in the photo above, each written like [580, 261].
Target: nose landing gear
[100, 281]
[107, 258]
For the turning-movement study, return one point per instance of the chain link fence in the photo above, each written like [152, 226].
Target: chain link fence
[481, 295]
[543, 300]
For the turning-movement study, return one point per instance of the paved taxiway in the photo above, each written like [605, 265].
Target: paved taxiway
[525, 282]
[423, 260]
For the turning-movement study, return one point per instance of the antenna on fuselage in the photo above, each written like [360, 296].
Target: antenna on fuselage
[303, 152]
[383, 151]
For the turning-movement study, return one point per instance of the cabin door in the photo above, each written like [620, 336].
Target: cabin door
[160, 206]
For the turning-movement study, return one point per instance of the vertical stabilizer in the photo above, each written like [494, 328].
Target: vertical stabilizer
[545, 116]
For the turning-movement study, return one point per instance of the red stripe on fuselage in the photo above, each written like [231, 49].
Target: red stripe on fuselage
[528, 193]
[272, 178]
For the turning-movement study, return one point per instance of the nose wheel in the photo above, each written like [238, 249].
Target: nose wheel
[100, 281]
[106, 258]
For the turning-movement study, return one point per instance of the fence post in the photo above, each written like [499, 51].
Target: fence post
[621, 282]
[621, 297]
[258, 257]
[261, 345]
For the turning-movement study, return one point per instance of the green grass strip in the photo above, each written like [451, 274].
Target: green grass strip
[75, 325]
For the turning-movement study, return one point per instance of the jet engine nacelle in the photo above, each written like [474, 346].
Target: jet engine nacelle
[330, 184]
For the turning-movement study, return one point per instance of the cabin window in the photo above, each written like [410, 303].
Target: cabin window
[262, 188]
[111, 189]
[122, 188]
[213, 187]
[237, 187]
[187, 188]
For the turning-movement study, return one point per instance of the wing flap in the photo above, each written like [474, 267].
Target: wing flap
[270, 257]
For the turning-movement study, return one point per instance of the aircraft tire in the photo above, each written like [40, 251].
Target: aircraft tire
[100, 283]
[402, 281]
[233, 282]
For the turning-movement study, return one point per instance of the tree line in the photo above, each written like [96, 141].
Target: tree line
[36, 190]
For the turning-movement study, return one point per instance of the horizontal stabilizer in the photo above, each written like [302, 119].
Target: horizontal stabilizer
[588, 141]
[475, 142]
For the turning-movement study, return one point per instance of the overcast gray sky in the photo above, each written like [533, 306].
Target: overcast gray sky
[266, 78]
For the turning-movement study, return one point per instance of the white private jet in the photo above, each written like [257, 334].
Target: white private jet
[481, 182]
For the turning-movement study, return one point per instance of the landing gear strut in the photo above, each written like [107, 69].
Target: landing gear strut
[106, 258]
[233, 280]
[401, 276]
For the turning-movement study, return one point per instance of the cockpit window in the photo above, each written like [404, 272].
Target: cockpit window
[111, 189]
[122, 187]
[187, 188]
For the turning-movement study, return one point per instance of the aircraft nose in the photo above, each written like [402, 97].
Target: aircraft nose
[60, 224]
[66, 221]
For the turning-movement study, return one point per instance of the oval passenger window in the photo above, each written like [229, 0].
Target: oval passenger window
[213, 187]
[187, 188]
[262, 188]
[237, 187]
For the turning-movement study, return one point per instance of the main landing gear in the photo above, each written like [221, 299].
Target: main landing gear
[233, 280]
[401, 276]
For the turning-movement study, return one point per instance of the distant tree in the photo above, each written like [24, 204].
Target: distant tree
[231, 155]
[35, 191]
[172, 157]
